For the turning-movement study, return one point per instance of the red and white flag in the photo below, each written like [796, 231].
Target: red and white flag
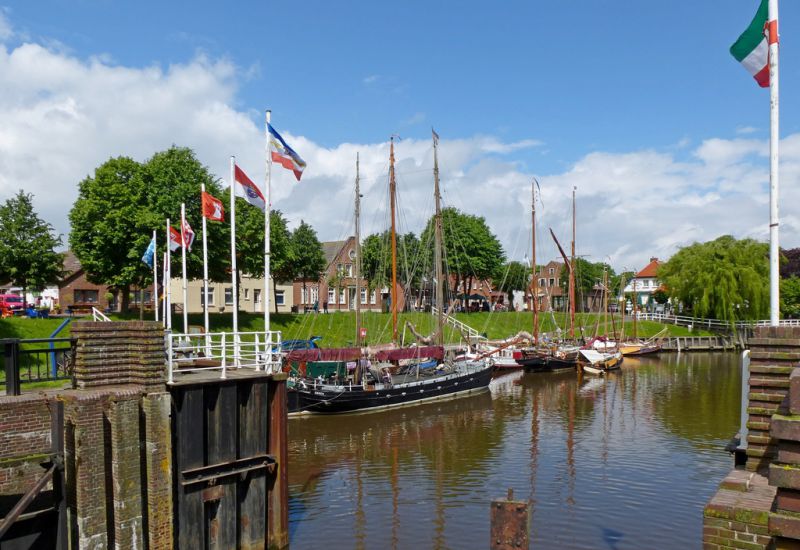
[188, 234]
[174, 239]
[245, 188]
[212, 208]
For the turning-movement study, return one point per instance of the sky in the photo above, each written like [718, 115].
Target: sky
[637, 105]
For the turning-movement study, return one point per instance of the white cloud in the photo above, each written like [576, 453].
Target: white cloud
[370, 79]
[6, 30]
[63, 116]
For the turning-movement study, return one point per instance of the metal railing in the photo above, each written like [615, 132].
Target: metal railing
[98, 315]
[711, 323]
[222, 351]
[26, 361]
[458, 325]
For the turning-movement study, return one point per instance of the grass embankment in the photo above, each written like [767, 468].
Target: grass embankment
[338, 329]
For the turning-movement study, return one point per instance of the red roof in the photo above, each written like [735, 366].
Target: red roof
[650, 270]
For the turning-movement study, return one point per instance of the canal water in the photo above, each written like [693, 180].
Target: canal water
[623, 462]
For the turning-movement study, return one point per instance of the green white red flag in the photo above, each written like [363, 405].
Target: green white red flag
[752, 47]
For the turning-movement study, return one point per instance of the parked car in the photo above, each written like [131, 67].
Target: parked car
[10, 303]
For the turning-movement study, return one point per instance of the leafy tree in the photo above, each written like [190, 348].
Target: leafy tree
[309, 259]
[27, 249]
[660, 296]
[119, 206]
[790, 297]
[470, 249]
[587, 275]
[376, 261]
[725, 278]
[512, 276]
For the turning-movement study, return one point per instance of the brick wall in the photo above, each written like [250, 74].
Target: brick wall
[24, 441]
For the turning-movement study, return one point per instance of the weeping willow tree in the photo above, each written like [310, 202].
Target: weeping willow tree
[724, 279]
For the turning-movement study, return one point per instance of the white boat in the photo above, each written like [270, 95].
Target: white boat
[596, 362]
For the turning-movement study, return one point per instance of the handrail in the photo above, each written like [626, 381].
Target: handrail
[98, 315]
[458, 325]
[222, 351]
[711, 323]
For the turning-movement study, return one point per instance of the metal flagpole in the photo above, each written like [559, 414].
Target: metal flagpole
[205, 275]
[155, 274]
[168, 279]
[164, 279]
[183, 275]
[774, 140]
[233, 261]
[267, 200]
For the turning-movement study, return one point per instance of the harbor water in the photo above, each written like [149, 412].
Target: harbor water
[623, 462]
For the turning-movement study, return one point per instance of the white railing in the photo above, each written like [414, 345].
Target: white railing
[222, 351]
[98, 315]
[458, 325]
[710, 323]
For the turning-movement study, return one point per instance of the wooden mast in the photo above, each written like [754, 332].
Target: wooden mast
[358, 257]
[605, 301]
[392, 198]
[438, 237]
[534, 282]
[635, 308]
[572, 274]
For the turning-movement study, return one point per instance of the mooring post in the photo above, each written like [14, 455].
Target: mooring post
[278, 492]
[11, 358]
[510, 523]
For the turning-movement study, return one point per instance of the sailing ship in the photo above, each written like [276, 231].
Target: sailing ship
[403, 376]
[637, 346]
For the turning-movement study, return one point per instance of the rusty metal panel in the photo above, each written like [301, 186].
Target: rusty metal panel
[510, 523]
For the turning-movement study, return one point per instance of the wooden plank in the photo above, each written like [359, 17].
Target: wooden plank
[222, 417]
[223, 528]
[252, 419]
[253, 511]
[188, 421]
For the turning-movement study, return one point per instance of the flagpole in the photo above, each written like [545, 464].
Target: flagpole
[267, 200]
[183, 274]
[774, 141]
[163, 306]
[205, 275]
[155, 275]
[168, 281]
[233, 248]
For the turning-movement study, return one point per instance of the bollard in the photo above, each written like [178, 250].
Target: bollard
[510, 523]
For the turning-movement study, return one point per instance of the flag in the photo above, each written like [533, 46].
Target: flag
[246, 189]
[188, 234]
[149, 253]
[212, 208]
[285, 155]
[174, 239]
[752, 47]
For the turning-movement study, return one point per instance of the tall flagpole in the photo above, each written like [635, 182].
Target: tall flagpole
[205, 273]
[184, 285]
[774, 140]
[267, 200]
[168, 280]
[233, 249]
[155, 275]
[164, 280]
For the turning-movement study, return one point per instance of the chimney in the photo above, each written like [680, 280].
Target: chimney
[653, 259]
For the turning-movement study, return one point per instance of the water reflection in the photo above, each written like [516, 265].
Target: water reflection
[614, 463]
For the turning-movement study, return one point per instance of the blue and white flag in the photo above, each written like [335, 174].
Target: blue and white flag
[149, 253]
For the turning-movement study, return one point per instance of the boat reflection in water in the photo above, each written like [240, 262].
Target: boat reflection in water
[613, 462]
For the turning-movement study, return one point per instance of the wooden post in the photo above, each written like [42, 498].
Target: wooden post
[278, 493]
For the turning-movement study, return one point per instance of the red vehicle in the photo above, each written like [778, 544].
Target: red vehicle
[10, 303]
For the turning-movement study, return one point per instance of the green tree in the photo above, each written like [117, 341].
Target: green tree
[512, 276]
[470, 249]
[724, 279]
[376, 261]
[587, 275]
[27, 250]
[119, 206]
[309, 258]
[790, 297]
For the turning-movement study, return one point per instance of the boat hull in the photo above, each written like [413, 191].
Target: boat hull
[340, 400]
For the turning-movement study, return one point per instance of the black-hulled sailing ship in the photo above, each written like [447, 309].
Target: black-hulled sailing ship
[402, 376]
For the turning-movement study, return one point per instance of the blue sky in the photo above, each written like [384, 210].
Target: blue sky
[577, 77]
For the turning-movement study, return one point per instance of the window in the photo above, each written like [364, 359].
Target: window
[331, 296]
[542, 282]
[210, 296]
[303, 296]
[342, 299]
[552, 281]
[340, 269]
[279, 297]
[228, 296]
[349, 270]
[373, 296]
[352, 254]
[363, 295]
[314, 295]
[85, 296]
[246, 293]
[257, 295]
[551, 270]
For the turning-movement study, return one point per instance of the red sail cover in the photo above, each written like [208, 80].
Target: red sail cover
[432, 352]
[327, 354]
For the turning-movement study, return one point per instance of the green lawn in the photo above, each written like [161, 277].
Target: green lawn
[338, 329]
